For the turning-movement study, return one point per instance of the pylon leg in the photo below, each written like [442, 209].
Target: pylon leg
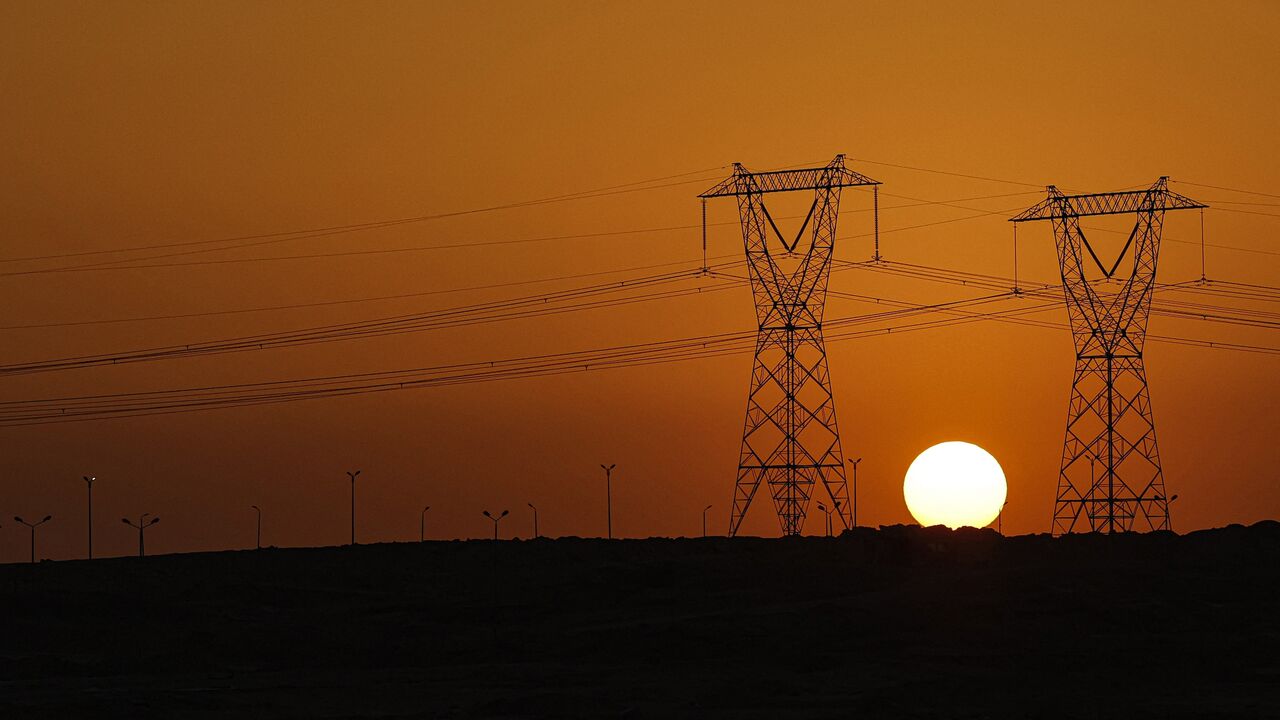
[790, 437]
[1110, 478]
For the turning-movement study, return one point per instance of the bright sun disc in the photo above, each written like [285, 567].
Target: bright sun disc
[955, 484]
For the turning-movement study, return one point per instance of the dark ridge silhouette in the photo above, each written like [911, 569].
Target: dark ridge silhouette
[900, 622]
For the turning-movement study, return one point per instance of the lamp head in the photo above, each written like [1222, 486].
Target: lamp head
[47, 518]
[486, 514]
[504, 514]
[822, 507]
[15, 517]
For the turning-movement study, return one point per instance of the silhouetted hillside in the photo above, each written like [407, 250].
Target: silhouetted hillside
[890, 623]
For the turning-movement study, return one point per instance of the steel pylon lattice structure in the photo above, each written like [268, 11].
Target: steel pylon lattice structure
[1110, 479]
[790, 440]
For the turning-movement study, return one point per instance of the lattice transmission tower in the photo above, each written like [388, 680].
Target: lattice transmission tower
[1110, 475]
[790, 440]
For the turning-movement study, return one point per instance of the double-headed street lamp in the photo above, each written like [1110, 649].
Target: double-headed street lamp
[33, 527]
[1168, 517]
[535, 520]
[496, 520]
[854, 463]
[824, 509]
[422, 524]
[608, 495]
[142, 525]
[353, 476]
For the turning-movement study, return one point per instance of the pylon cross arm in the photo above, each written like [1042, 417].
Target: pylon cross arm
[745, 182]
[1157, 198]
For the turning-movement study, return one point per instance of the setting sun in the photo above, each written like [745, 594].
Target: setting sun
[955, 484]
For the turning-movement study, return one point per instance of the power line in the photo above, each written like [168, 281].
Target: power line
[1040, 186]
[238, 393]
[584, 194]
[347, 253]
[1229, 189]
[379, 298]
[571, 300]
[73, 409]
[1241, 202]
[647, 353]
[114, 264]
[974, 278]
[270, 238]
[1197, 243]
[558, 302]
[1244, 212]
[121, 264]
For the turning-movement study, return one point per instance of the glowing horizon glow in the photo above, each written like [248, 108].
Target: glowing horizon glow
[955, 484]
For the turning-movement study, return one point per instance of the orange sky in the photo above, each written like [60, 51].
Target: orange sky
[133, 124]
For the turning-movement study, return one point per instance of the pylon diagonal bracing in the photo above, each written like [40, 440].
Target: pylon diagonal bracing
[790, 440]
[1110, 479]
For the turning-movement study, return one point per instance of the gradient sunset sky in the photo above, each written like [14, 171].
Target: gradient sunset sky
[133, 124]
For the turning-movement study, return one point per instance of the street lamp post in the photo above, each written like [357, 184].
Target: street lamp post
[855, 490]
[88, 481]
[257, 544]
[827, 512]
[142, 525]
[496, 520]
[608, 495]
[704, 520]
[33, 527]
[535, 520]
[1000, 518]
[1089, 509]
[1168, 516]
[422, 524]
[353, 476]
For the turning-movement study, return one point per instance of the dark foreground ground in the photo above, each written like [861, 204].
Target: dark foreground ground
[895, 623]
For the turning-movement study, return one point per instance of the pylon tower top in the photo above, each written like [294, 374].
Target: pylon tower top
[744, 182]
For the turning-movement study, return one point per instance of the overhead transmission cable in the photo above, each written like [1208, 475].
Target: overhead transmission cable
[571, 300]
[122, 264]
[191, 399]
[354, 227]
